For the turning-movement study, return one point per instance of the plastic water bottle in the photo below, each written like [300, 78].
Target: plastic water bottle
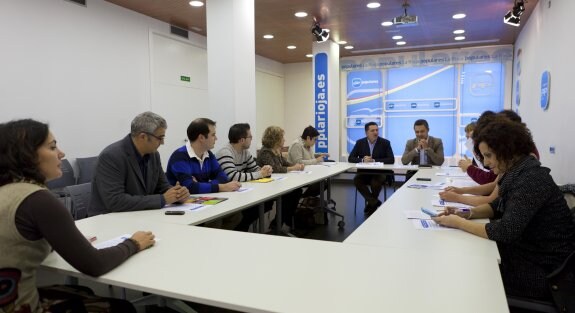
[422, 157]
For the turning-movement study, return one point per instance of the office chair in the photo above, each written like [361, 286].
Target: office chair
[80, 199]
[86, 167]
[389, 180]
[561, 281]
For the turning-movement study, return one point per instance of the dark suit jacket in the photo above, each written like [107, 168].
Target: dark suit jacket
[382, 151]
[118, 185]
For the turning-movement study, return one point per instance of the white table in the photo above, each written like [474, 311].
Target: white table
[255, 273]
[238, 201]
[388, 226]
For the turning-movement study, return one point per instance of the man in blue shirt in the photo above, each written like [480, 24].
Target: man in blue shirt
[194, 166]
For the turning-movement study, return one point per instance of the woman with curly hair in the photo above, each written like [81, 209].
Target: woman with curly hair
[33, 222]
[271, 154]
[530, 220]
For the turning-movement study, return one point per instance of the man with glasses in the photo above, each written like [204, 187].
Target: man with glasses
[237, 162]
[128, 175]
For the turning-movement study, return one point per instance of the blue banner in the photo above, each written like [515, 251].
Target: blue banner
[321, 101]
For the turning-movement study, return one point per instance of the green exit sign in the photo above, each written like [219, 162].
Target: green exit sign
[185, 78]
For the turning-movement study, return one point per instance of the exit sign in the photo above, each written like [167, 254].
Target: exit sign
[185, 78]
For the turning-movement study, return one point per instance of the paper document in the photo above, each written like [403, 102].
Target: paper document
[244, 189]
[452, 174]
[300, 172]
[263, 180]
[368, 164]
[112, 242]
[443, 203]
[429, 225]
[437, 186]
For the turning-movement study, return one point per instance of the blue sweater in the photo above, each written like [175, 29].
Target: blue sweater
[183, 169]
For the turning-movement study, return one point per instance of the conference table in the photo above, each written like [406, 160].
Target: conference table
[384, 266]
[256, 194]
[389, 226]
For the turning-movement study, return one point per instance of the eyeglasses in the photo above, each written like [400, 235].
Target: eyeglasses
[160, 138]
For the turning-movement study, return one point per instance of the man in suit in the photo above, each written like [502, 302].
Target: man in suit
[372, 148]
[430, 148]
[129, 175]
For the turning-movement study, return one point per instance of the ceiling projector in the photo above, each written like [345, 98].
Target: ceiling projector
[405, 19]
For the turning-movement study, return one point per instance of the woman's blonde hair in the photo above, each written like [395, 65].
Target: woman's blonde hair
[272, 137]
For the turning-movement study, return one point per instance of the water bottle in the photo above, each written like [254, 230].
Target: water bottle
[422, 157]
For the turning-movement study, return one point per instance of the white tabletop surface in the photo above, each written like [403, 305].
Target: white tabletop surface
[237, 201]
[259, 273]
[389, 227]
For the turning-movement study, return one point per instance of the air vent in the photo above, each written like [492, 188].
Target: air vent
[80, 2]
[178, 31]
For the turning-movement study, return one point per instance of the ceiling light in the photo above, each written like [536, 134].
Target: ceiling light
[458, 32]
[309, 55]
[268, 36]
[300, 14]
[319, 34]
[291, 47]
[513, 16]
[400, 43]
[459, 38]
[348, 47]
[373, 5]
[196, 3]
[342, 42]
[397, 37]
[459, 16]
[387, 23]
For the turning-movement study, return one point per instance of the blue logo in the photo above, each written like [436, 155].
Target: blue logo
[413, 105]
[545, 84]
[356, 82]
[321, 101]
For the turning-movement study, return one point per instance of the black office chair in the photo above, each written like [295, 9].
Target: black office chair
[80, 199]
[86, 167]
[561, 281]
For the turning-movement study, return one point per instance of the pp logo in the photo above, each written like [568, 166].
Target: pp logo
[356, 82]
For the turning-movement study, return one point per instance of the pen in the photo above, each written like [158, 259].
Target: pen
[463, 210]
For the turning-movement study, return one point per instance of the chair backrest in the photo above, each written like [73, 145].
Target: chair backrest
[562, 283]
[86, 167]
[67, 178]
[80, 196]
[569, 195]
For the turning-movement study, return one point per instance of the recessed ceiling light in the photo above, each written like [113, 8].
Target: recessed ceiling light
[309, 55]
[348, 47]
[459, 16]
[342, 42]
[291, 47]
[196, 3]
[459, 31]
[459, 38]
[400, 43]
[387, 23]
[300, 14]
[373, 5]
[268, 36]
[397, 37]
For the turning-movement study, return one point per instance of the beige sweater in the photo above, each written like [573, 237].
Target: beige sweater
[298, 153]
[19, 257]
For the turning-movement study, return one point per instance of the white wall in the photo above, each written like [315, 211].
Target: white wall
[546, 44]
[85, 70]
[299, 105]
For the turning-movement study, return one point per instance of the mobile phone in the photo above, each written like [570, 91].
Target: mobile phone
[429, 212]
[423, 179]
[175, 213]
